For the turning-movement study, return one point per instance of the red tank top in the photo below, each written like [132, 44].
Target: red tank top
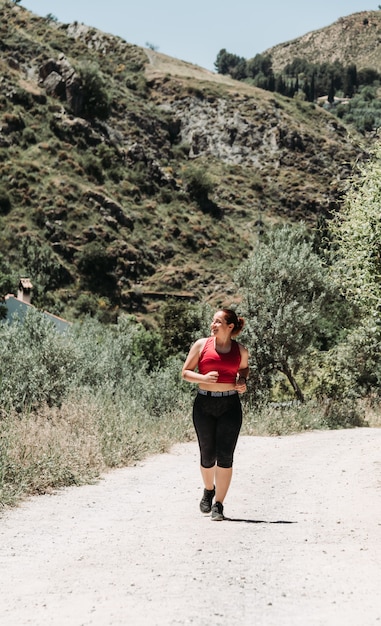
[227, 365]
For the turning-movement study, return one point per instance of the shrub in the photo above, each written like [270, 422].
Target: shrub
[93, 168]
[352, 369]
[94, 260]
[198, 184]
[37, 365]
[28, 137]
[96, 99]
[5, 202]
[86, 304]
[345, 413]
[180, 325]
[285, 418]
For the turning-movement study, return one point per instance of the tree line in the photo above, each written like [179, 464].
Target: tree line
[312, 81]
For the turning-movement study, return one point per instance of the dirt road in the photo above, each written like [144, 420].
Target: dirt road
[301, 545]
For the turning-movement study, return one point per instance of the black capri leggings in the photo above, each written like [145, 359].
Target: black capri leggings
[217, 422]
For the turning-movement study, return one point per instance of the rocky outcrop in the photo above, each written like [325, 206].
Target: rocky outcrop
[61, 81]
[137, 153]
[249, 134]
[110, 209]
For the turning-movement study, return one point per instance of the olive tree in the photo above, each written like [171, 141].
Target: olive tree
[356, 236]
[356, 232]
[283, 284]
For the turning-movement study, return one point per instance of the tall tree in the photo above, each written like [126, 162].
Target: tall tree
[282, 284]
[259, 64]
[331, 92]
[356, 230]
[350, 81]
[228, 63]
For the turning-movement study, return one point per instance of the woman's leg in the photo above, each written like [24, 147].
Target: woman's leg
[217, 437]
[218, 476]
[205, 426]
[208, 476]
[223, 476]
[229, 426]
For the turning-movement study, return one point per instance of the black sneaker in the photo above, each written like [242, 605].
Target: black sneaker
[217, 512]
[206, 500]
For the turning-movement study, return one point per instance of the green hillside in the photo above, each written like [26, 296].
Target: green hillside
[128, 177]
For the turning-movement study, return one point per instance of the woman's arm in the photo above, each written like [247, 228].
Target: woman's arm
[188, 372]
[243, 371]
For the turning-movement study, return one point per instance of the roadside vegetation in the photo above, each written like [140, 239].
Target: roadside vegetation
[105, 395]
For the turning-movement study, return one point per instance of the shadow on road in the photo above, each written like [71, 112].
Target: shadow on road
[257, 521]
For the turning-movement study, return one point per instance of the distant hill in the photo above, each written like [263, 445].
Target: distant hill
[354, 39]
[128, 176]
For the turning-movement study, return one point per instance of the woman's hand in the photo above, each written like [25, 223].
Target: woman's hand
[211, 377]
[241, 384]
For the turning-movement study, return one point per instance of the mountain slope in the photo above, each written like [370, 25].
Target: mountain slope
[128, 176]
[354, 39]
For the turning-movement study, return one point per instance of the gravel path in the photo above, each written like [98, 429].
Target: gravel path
[301, 544]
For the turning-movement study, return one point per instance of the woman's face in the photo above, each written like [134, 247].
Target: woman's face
[219, 325]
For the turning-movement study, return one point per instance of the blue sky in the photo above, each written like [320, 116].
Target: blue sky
[197, 30]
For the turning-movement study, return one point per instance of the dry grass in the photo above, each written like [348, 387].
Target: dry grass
[373, 414]
[160, 65]
[289, 418]
[72, 445]
[75, 444]
[48, 449]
